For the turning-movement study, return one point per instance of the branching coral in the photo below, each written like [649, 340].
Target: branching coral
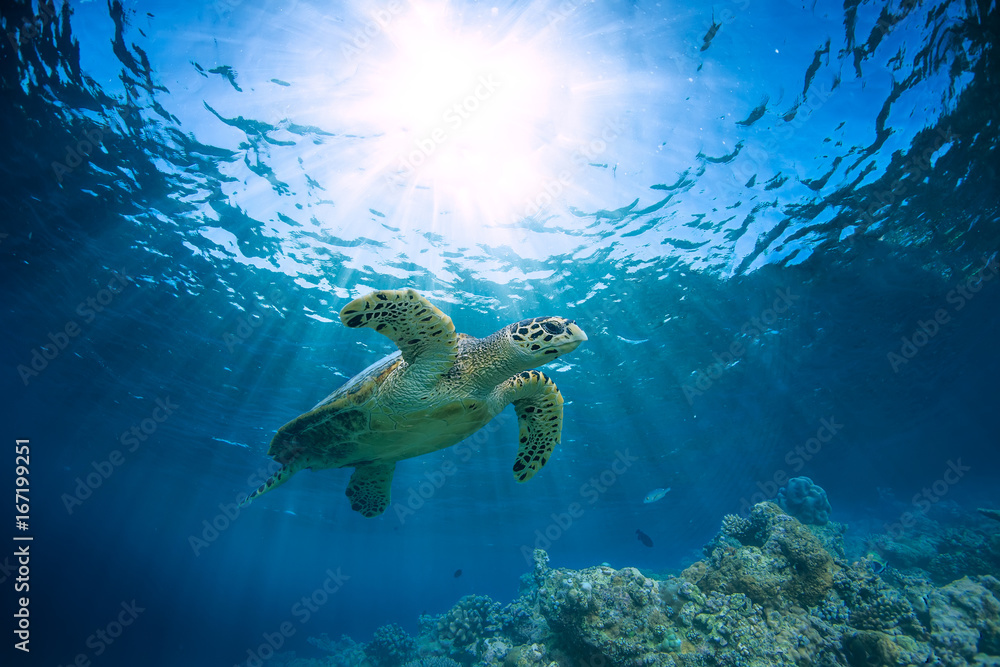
[390, 646]
[462, 631]
[433, 662]
[873, 605]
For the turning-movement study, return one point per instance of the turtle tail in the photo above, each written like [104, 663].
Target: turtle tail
[282, 475]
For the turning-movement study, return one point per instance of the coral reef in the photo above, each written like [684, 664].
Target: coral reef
[944, 543]
[965, 620]
[464, 631]
[771, 591]
[344, 652]
[790, 564]
[433, 662]
[390, 646]
[805, 500]
[872, 604]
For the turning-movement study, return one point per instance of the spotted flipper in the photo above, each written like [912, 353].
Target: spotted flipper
[369, 488]
[424, 334]
[283, 474]
[539, 408]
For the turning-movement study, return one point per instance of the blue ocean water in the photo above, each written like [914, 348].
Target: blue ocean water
[776, 222]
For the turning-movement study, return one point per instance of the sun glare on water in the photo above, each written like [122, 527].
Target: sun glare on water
[471, 122]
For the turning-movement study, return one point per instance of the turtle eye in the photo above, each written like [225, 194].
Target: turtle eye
[552, 327]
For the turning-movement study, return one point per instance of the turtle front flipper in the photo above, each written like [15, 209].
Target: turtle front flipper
[539, 408]
[370, 487]
[424, 334]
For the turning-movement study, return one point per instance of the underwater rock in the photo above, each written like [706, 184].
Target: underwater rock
[805, 500]
[617, 615]
[541, 560]
[529, 655]
[831, 535]
[869, 647]
[965, 620]
[496, 650]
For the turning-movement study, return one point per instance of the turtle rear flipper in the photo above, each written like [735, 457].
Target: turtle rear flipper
[282, 475]
[539, 408]
[370, 487]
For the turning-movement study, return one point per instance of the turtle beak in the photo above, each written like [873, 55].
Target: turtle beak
[573, 340]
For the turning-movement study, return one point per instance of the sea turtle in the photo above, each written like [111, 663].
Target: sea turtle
[437, 389]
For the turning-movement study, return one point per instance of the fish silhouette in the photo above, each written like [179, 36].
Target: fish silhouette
[643, 537]
[458, 573]
[710, 35]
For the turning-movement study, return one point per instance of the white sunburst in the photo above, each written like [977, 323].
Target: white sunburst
[473, 122]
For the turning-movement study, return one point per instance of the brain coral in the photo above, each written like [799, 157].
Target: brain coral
[805, 500]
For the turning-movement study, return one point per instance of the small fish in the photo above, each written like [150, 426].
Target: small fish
[876, 562]
[633, 342]
[643, 537]
[655, 495]
[458, 573]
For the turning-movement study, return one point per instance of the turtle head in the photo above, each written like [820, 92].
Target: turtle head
[542, 339]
